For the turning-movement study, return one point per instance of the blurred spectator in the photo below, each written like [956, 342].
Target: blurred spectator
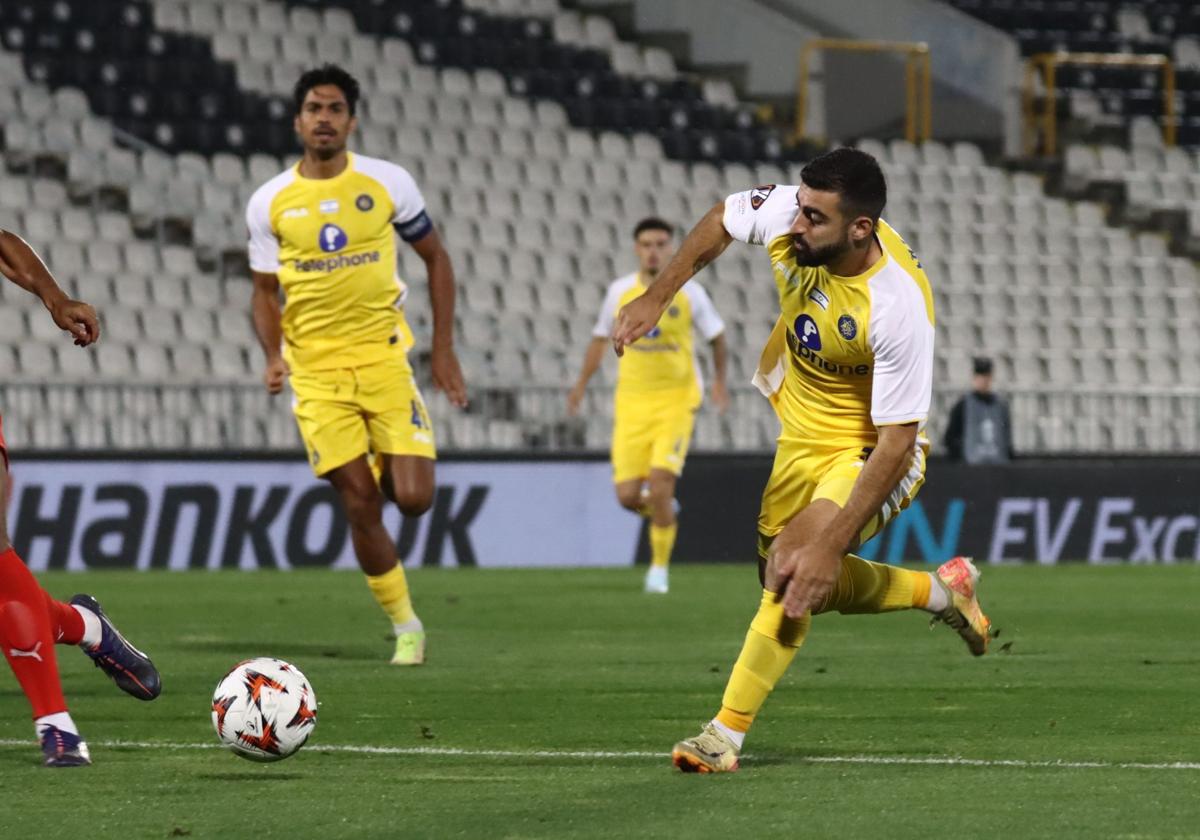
[980, 429]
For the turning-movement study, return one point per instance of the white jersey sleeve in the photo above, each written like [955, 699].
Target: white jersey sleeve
[760, 215]
[408, 213]
[901, 337]
[608, 309]
[705, 317]
[264, 245]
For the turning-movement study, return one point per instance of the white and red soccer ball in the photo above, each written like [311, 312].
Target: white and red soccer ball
[264, 709]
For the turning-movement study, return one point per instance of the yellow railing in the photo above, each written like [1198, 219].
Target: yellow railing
[918, 81]
[1046, 123]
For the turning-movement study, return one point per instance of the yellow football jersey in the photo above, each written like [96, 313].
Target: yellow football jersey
[848, 354]
[665, 359]
[332, 243]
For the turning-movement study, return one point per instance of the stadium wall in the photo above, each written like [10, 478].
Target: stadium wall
[251, 513]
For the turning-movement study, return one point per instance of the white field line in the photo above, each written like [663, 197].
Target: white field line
[880, 760]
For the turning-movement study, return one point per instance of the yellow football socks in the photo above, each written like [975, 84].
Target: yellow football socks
[769, 648]
[662, 541]
[773, 639]
[866, 587]
[391, 591]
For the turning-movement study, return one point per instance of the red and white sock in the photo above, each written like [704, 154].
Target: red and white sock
[27, 636]
[59, 720]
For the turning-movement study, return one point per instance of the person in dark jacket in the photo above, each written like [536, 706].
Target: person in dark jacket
[980, 428]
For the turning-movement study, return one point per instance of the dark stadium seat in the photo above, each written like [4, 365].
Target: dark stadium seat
[582, 79]
[164, 87]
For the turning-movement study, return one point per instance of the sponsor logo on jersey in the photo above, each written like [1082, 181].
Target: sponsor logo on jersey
[805, 356]
[759, 194]
[807, 333]
[332, 239]
[848, 327]
[655, 332]
[334, 263]
[819, 298]
[295, 213]
[364, 202]
[330, 205]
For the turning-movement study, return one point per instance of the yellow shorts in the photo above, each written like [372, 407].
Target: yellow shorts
[369, 410]
[802, 474]
[651, 431]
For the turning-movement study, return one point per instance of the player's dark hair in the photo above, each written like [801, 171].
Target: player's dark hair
[653, 223]
[327, 74]
[852, 174]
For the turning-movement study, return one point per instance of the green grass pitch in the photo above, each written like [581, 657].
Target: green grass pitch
[551, 699]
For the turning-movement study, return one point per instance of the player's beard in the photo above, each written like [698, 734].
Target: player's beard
[814, 257]
[326, 152]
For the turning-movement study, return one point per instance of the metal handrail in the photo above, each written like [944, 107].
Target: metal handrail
[918, 80]
[1048, 64]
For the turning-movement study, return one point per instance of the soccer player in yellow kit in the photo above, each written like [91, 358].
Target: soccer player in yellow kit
[658, 392]
[324, 231]
[849, 369]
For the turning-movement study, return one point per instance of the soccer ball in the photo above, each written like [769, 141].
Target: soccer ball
[264, 709]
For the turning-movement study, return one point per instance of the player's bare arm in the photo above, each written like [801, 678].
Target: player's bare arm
[447, 374]
[20, 264]
[706, 241]
[720, 357]
[809, 563]
[592, 360]
[268, 325]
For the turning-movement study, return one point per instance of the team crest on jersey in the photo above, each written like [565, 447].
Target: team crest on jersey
[332, 238]
[364, 202]
[673, 312]
[807, 332]
[759, 194]
[848, 327]
[330, 205]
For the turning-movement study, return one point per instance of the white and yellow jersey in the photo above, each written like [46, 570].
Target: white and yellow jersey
[665, 359]
[332, 243]
[848, 354]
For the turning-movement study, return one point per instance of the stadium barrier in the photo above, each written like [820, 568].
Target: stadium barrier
[253, 513]
[525, 418]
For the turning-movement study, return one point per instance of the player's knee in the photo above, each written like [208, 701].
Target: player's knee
[363, 505]
[662, 489]
[413, 501]
[630, 498]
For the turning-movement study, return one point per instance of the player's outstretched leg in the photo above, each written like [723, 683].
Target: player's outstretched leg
[960, 579]
[130, 669]
[771, 644]
[27, 637]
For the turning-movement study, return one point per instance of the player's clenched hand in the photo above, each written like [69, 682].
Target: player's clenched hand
[804, 574]
[448, 376]
[77, 318]
[275, 375]
[635, 319]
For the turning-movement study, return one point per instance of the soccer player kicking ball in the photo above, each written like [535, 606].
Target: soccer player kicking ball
[658, 392]
[32, 622]
[324, 231]
[849, 369]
